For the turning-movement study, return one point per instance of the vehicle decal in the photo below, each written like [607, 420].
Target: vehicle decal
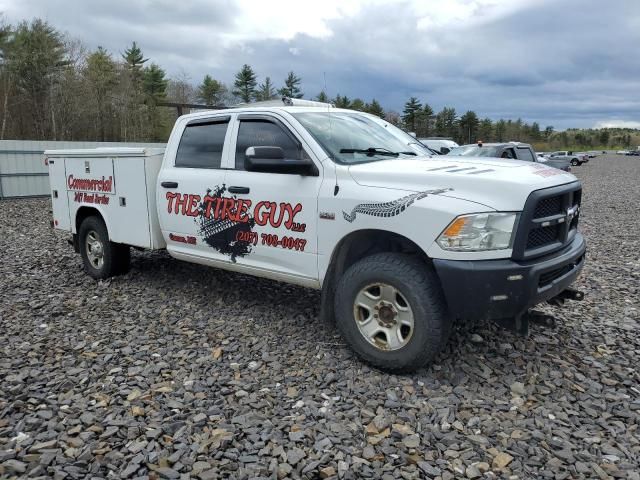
[227, 223]
[390, 209]
[545, 171]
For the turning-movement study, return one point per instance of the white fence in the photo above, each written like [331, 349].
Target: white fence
[22, 169]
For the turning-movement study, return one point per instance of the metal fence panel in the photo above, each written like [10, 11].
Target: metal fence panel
[22, 169]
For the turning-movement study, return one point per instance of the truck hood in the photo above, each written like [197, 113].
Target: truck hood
[499, 184]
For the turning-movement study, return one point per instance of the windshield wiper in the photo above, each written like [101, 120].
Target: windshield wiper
[371, 151]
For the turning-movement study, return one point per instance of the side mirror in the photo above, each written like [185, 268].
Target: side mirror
[272, 160]
[444, 150]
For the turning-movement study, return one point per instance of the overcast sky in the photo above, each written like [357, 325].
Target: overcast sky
[566, 63]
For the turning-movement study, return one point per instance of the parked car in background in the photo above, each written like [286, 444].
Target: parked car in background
[439, 144]
[634, 153]
[574, 159]
[622, 152]
[512, 150]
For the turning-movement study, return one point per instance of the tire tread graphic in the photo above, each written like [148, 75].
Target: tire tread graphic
[390, 209]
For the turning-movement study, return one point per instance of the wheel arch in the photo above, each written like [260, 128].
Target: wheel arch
[84, 212]
[357, 245]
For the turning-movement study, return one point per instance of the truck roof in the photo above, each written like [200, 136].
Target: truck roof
[272, 108]
[106, 151]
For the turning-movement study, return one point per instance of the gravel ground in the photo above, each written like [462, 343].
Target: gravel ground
[178, 371]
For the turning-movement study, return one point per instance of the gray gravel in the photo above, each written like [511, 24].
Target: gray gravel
[178, 371]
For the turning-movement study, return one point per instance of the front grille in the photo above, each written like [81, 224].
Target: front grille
[548, 207]
[546, 224]
[542, 236]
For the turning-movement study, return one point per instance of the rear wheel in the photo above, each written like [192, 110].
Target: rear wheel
[575, 162]
[390, 309]
[101, 257]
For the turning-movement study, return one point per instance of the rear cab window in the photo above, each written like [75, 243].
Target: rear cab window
[202, 143]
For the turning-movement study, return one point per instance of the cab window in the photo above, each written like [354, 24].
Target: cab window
[265, 133]
[508, 153]
[201, 144]
[525, 155]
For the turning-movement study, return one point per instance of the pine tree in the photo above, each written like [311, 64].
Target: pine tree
[485, 132]
[266, 90]
[322, 97]
[357, 104]
[411, 113]
[38, 58]
[425, 121]
[245, 84]
[468, 125]
[210, 91]
[102, 77]
[374, 108]
[154, 83]
[446, 122]
[134, 61]
[342, 102]
[291, 87]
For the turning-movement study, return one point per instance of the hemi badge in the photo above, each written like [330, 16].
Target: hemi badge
[327, 215]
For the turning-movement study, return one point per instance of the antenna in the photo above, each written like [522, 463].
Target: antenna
[336, 188]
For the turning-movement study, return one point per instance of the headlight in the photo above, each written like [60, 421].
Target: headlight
[479, 231]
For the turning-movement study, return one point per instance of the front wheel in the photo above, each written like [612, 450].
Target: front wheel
[101, 257]
[575, 162]
[390, 309]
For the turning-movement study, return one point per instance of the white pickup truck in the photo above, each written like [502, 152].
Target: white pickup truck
[401, 244]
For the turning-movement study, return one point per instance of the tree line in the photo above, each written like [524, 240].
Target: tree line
[53, 88]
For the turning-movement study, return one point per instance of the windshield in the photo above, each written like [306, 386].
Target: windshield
[474, 151]
[355, 138]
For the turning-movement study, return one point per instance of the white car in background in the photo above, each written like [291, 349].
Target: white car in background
[438, 144]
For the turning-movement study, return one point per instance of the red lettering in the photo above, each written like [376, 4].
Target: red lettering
[227, 209]
[208, 204]
[181, 203]
[193, 205]
[262, 216]
[170, 198]
[292, 211]
[272, 215]
[242, 208]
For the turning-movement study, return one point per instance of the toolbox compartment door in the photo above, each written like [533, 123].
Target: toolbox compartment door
[59, 199]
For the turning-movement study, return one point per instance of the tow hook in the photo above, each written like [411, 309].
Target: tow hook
[520, 324]
[566, 294]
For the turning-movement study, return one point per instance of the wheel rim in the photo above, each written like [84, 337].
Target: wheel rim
[383, 316]
[95, 250]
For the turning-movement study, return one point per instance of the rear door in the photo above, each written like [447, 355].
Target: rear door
[190, 189]
[279, 209]
[59, 199]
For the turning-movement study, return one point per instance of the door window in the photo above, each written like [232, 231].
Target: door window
[264, 133]
[201, 144]
[508, 153]
[525, 154]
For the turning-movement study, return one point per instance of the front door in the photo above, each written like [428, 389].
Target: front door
[190, 191]
[280, 210]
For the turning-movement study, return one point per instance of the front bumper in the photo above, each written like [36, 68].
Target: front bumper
[495, 289]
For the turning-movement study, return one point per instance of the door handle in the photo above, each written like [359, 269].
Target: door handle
[169, 184]
[238, 189]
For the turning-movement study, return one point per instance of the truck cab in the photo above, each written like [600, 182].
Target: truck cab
[400, 243]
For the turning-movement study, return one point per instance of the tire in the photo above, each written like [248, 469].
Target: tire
[101, 257]
[575, 162]
[419, 290]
